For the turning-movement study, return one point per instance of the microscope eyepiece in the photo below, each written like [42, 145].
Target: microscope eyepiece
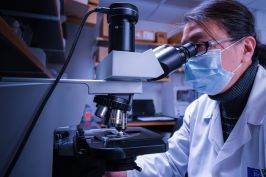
[171, 58]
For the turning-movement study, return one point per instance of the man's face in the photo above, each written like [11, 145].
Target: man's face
[231, 57]
[195, 33]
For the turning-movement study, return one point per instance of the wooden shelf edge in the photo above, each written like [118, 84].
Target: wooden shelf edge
[77, 20]
[148, 123]
[152, 123]
[22, 74]
[165, 79]
[20, 46]
[105, 39]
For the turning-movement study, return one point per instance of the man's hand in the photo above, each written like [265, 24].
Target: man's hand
[115, 174]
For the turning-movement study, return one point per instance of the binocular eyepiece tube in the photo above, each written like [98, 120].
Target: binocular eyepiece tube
[171, 58]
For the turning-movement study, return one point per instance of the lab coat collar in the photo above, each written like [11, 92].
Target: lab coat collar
[255, 109]
[240, 135]
[211, 110]
[216, 135]
[212, 115]
[254, 113]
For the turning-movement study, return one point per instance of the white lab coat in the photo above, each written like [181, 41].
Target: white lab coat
[198, 147]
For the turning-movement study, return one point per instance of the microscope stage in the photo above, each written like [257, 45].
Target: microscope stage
[135, 141]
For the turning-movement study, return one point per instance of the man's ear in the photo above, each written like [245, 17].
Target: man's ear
[249, 47]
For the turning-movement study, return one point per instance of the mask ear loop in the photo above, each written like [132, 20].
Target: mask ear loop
[237, 68]
[228, 48]
[232, 44]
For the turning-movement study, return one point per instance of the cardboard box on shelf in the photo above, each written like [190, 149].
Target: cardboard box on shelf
[161, 37]
[92, 19]
[175, 39]
[144, 35]
[76, 9]
[105, 27]
[102, 52]
[85, 2]
[165, 79]
[95, 2]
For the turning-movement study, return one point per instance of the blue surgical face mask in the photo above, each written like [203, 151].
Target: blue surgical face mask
[205, 73]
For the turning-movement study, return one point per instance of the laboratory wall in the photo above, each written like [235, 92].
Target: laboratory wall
[261, 24]
[81, 65]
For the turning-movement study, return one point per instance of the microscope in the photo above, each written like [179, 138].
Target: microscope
[80, 151]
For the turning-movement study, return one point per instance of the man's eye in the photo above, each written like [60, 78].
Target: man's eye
[201, 48]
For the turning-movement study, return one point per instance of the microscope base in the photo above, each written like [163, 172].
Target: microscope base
[91, 152]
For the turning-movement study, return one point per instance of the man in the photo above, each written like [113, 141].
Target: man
[224, 131]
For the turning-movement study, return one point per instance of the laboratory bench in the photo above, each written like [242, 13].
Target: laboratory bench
[157, 126]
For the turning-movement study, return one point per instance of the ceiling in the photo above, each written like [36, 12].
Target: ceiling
[255, 4]
[166, 15]
[162, 11]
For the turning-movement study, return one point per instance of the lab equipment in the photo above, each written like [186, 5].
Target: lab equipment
[143, 107]
[109, 148]
[144, 110]
[115, 147]
[124, 64]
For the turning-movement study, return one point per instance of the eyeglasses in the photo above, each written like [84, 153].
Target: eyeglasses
[202, 47]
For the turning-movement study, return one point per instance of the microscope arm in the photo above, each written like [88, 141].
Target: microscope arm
[149, 65]
[129, 66]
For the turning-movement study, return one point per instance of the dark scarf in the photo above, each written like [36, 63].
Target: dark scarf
[233, 101]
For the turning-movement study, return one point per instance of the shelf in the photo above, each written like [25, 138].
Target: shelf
[102, 41]
[16, 58]
[47, 30]
[151, 123]
[165, 79]
[77, 21]
[147, 123]
[39, 7]
[55, 56]
[76, 10]
[43, 18]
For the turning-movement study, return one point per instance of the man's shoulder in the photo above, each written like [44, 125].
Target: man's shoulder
[203, 106]
[202, 101]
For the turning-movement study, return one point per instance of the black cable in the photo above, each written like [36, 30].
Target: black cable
[49, 93]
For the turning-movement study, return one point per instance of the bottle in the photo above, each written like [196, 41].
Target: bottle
[87, 119]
